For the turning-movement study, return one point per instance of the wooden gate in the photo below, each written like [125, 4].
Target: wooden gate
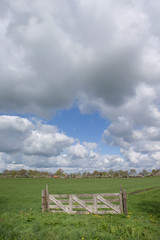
[113, 203]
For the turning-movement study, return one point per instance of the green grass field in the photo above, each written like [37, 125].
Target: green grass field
[21, 216]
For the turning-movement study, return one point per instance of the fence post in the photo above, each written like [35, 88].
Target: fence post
[95, 203]
[124, 194]
[71, 202]
[47, 198]
[43, 200]
[121, 200]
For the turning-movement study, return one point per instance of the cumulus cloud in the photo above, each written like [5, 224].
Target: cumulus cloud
[34, 144]
[29, 143]
[104, 55]
[135, 129]
[52, 51]
[13, 131]
[46, 140]
[31, 138]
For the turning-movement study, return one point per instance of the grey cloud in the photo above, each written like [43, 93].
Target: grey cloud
[113, 78]
[104, 55]
[47, 60]
[13, 131]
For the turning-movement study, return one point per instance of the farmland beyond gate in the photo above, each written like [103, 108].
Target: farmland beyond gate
[21, 216]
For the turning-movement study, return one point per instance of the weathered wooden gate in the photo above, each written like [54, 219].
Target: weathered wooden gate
[113, 203]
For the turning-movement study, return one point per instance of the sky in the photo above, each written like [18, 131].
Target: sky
[79, 85]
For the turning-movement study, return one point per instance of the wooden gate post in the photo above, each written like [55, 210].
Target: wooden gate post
[124, 194]
[121, 200]
[45, 199]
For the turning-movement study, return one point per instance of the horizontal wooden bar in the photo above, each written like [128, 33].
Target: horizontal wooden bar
[78, 206]
[88, 200]
[106, 212]
[67, 195]
[57, 211]
[67, 200]
[98, 206]
[85, 212]
[64, 200]
[103, 206]
[73, 212]
[109, 194]
[85, 195]
[56, 207]
[98, 212]
[60, 195]
[80, 212]
[113, 200]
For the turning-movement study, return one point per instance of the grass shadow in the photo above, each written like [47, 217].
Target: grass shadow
[149, 207]
[146, 202]
[3, 201]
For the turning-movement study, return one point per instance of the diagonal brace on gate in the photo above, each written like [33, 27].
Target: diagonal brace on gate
[82, 203]
[59, 204]
[109, 204]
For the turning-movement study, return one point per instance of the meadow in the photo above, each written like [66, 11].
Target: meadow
[21, 217]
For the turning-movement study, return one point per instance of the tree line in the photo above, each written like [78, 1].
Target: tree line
[23, 173]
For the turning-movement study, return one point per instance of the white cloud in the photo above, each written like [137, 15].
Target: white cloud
[104, 54]
[42, 146]
[33, 144]
[47, 141]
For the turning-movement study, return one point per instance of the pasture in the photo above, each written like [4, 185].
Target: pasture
[21, 216]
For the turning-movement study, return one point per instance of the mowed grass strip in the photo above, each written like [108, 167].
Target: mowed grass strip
[21, 217]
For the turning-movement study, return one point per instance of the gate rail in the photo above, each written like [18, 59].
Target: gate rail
[104, 203]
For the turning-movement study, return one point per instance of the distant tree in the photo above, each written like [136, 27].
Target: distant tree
[6, 172]
[155, 172]
[125, 174]
[60, 172]
[14, 173]
[23, 172]
[111, 173]
[158, 172]
[104, 174]
[78, 175]
[145, 173]
[72, 175]
[86, 174]
[133, 172]
[116, 173]
[30, 173]
[95, 173]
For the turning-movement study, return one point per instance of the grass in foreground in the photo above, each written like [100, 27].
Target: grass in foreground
[21, 217]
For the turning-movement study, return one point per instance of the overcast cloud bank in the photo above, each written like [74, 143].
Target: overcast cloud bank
[104, 55]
